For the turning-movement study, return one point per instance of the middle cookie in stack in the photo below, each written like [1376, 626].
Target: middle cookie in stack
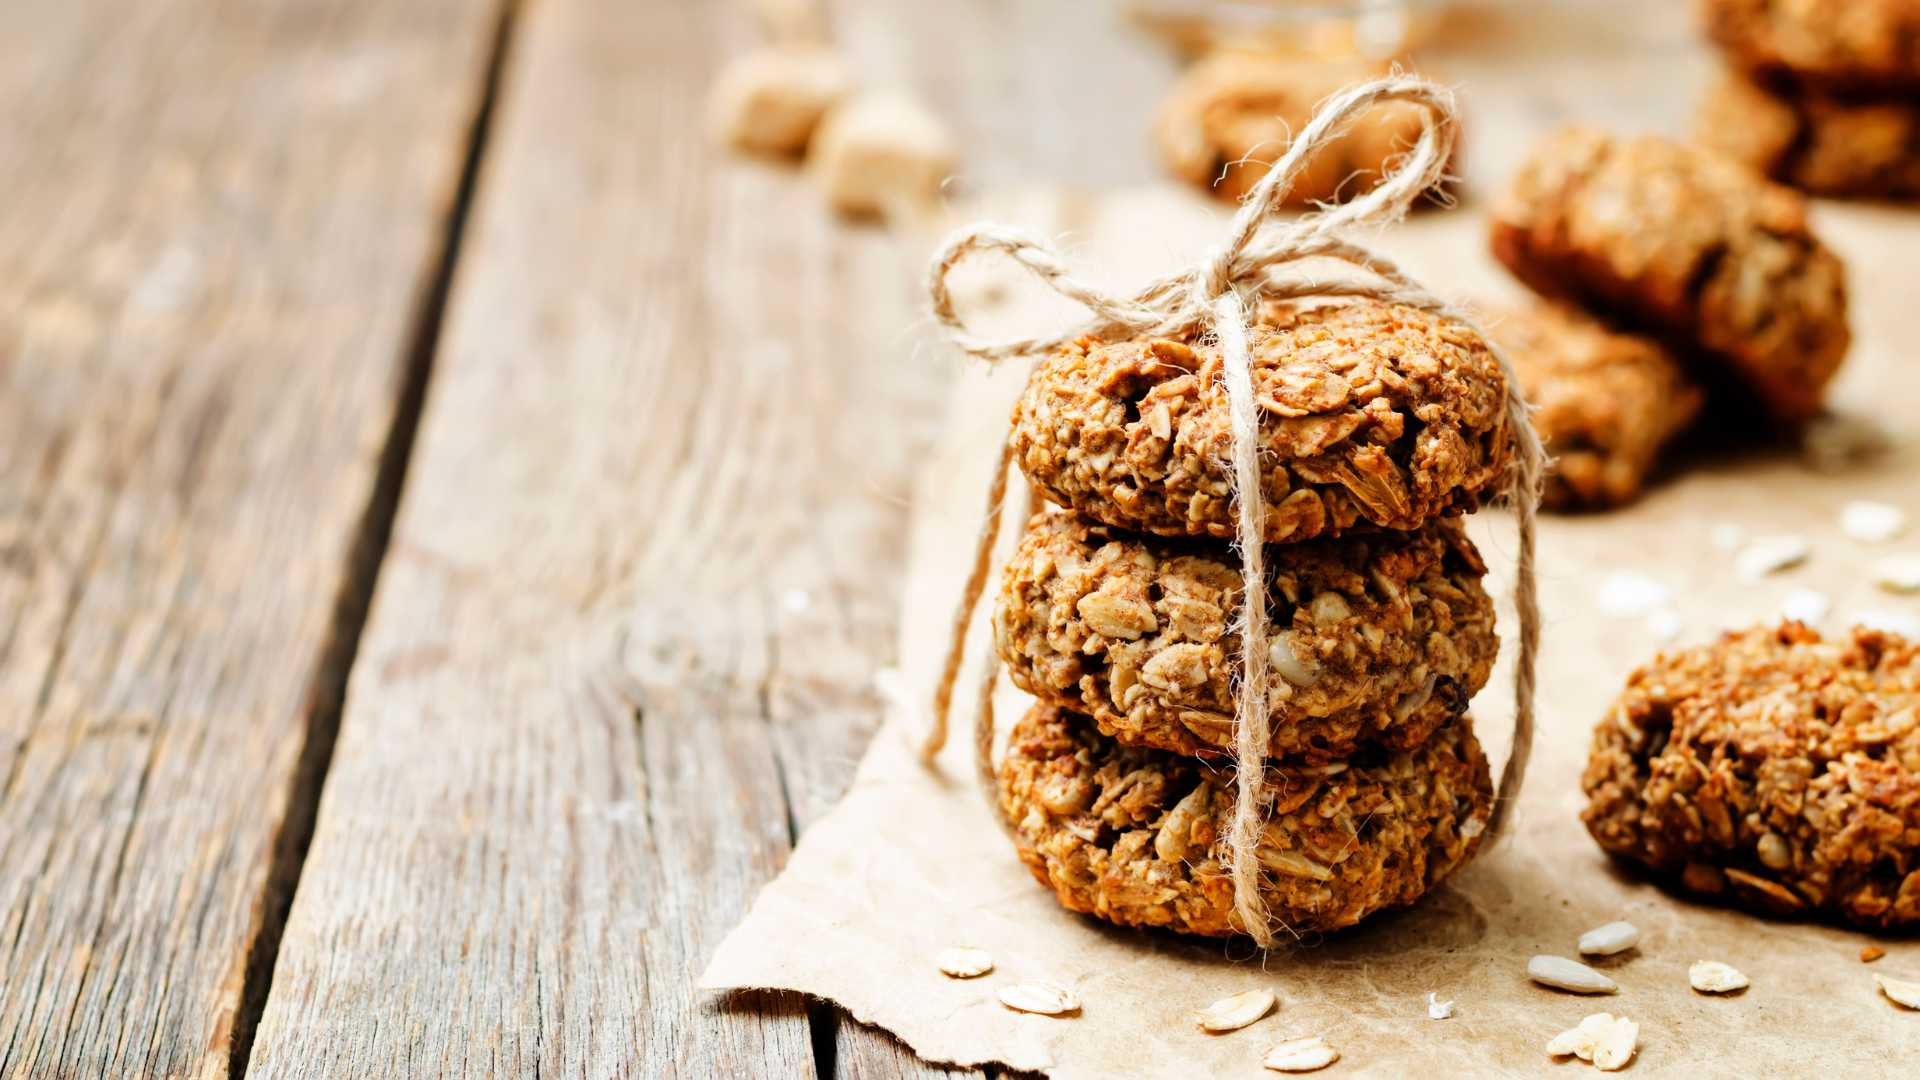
[1378, 422]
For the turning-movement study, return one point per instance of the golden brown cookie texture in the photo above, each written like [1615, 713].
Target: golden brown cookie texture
[1837, 43]
[1138, 837]
[1818, 142]
[1774, 767]
[1605, 402]
[1687, 245]
[1233, 114]
[1371, 415]
[1379, 637]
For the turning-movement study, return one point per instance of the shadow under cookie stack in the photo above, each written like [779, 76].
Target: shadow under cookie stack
[1379, 425]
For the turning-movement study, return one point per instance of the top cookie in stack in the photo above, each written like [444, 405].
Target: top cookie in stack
[1120, 613]
[1823, 95]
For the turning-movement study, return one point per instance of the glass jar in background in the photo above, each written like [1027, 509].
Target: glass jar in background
[1366, 29]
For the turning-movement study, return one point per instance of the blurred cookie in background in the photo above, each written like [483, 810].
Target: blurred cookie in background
[1835, 44]
[1822, 143]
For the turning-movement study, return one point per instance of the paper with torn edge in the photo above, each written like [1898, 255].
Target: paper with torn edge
[910, 863]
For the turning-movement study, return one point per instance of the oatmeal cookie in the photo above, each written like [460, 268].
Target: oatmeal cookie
[1380, 637]
[1773, 765]
[1844, 43]
[1233, 114]
[1605, 402]
[1817, 142]
[1371, 414]
[1687, 245]
[1138, 837]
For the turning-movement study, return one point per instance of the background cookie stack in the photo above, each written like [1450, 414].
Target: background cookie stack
[1380, 424]
[1682, 278]
[1821, 94]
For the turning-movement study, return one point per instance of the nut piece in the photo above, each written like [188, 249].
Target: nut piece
[1872, 522]
[881, 154]
[1606, 1041]
[1871, 953]
[1301, 1055]
[1039, 999]
[1236, 1012]
[1769, 554]
[1614, 937]
[1564, 974]
[770, 102]
[965, 963]
[1714, 977]
[1900, 991]
[1437, 1009]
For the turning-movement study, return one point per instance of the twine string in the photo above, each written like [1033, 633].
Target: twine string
[1216, 296]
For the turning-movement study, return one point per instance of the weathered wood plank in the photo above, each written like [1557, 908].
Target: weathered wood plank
[218, 225]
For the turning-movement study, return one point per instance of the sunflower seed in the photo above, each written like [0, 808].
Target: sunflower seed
[965, 963]
[1565, 974]
[1437, 1009]
[1301, 1055]
[1236, 1012]
[1902, 991]
[1714, 977]
[1035, 998]
[1872, 522]
[1296, 669]
[1614, 937]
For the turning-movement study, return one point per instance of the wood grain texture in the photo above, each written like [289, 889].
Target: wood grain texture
[219, 221]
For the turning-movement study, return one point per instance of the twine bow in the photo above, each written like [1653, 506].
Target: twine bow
[1217, 295]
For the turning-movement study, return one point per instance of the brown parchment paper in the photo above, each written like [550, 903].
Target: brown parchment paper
[911, 862]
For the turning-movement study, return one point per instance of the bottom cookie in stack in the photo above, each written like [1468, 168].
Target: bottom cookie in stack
[1139, 837]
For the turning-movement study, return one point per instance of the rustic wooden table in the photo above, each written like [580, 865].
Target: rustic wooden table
[450, 518]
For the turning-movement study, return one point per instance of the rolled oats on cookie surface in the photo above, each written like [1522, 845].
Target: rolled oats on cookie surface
[1689, 246]
[1372, 415]
[1138, 837]
[1382, 637]
[1775, 767]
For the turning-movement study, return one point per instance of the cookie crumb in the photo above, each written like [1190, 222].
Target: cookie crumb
[1437, 1009]
[1235, 1012]
[1714, 977]
[1871, 953]
[1602, 1039]
[1872, 522]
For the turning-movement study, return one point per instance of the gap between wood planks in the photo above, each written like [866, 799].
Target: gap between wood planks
[363, 575]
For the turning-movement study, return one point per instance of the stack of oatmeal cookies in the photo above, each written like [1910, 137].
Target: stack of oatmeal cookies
[1379, 425]
[1822, 94]
[1677, 279]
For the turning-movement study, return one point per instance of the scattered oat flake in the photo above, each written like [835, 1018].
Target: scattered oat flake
[1613, 937]
[1036, 998]
[1770, 554]
[1236, 1012]
[1665, 625]
[1603, 1039]
[1437, 1009]
[1564, 974]
[1900, 991]
[1627, 594]
[1301, 1055]
[1806, 605]
[1873, 522]
[1893, 622]
[965, 963]
[1714, 977]
[1898, 573]
[1871, 953]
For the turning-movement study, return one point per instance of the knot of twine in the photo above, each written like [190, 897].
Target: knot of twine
[1216, 296]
